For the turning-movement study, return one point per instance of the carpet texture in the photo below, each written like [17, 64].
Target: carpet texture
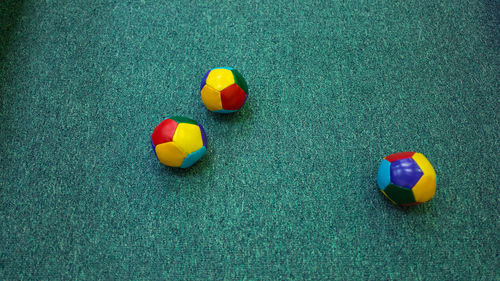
[287, 190]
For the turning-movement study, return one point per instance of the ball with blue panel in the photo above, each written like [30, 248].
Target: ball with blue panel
[179, 142]
[223, 90]
[407, 178]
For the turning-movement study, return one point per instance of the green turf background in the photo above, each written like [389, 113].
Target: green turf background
[287, 190]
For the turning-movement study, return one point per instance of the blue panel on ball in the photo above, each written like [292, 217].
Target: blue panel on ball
[227, 67]
[154, 147]
[384, 174]
[203, 135]
[193, 157]
[405, 172]
[204, 80]
[224, 111]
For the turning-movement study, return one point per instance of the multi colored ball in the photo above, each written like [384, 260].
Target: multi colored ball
[223, 90]
[179, 142]
[407, 178]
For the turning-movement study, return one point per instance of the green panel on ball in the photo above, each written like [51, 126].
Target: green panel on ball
[180, 119]
[400, 195]
[238, 78]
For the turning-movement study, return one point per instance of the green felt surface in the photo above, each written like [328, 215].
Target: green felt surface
[287, 190]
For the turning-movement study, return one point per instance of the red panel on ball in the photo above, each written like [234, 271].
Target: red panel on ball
[233, 97]
[411, 204]
[398, 156]
[164, 132]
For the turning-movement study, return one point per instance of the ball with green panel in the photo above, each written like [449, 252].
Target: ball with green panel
[407, 178]
[223, 90]
[179, 141]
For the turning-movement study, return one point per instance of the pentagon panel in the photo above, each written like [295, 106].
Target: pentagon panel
[188, 137]
[211, 98]
[170, 154]
[400, 195]
[204, 80]
[232, 97]
[238, 79]
[384, 174]
[405, 172]
[203, 135]
[397, 156]
[424, 164]
[180, 119]
[164, 132]
[220, 78]
[223, 111]
[193, 157]
[425, 188]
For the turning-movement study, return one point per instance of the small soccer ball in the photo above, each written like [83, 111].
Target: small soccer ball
[179, 142]
[223, 90]
[407, 178]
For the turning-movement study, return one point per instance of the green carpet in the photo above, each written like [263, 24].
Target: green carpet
[287, 190]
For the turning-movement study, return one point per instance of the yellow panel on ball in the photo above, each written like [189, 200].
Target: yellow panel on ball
[188, 137]
[211, 98]
[170, 154]
[425, 188]
[424, 164]
[220, 78]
